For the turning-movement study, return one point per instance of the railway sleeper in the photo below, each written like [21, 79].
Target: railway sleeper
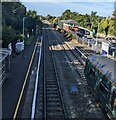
[53, 100]
[51, 79]
[50, 75]
[49, 91]
[52, 92]
[52, 85]
[54, 109]
[54, 104]
[53, 96]
[53, 88]
[51, 82]
[55, 114]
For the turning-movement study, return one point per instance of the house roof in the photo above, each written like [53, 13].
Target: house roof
[69, 22]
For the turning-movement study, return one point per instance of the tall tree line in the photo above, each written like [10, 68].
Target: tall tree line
[12, 22]
[106, 25]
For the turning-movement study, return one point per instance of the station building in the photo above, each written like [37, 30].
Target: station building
[67, 24]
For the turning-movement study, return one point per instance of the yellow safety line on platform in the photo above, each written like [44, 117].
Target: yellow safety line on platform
[25, 81]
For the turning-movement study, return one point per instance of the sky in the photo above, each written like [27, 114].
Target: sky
[57, 8]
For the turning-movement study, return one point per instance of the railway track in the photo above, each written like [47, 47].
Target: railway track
[75, 58]
[48, 104]
[87, 53]
[83, 53]
[79, 65]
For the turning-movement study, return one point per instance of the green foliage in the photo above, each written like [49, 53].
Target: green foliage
[31, 23]
[59, 29]
[87, 21]
[67, 15]
[73, 36]
[55, 21]
[69, 35]
[106, 30]
[51, 18]
[19, 36]
[103, 25]
[13, 14]
[8, 35]
[48, 17]
[95, 31]
[32, 14]
[12, 22]
[114, 23]
[107, 26]
[29, 40]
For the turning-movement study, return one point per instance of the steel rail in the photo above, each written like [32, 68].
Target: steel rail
[85, 57]
[36, 83]
[45, 107]
[80, 51]
[65, 44]
[71, 60]
[44, 86]
[54, 64]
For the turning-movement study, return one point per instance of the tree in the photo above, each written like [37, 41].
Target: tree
[114, 23]
[48, 17]
[66, 14]
[12, 17]
[8, 35]
[106, 30]
[55, 21]
[102, 25]
[95, 31]
[93, 14]
[32, 14]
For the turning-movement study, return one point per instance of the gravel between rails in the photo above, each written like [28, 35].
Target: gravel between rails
[83, 104]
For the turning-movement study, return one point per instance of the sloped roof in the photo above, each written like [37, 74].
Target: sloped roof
[106, 65]
[69, 21]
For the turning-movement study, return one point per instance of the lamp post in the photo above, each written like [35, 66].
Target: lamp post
[23, 27]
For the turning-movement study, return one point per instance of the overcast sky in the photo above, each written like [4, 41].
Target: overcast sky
[57, 8]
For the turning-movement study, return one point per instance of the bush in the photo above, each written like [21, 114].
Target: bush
[73, 36]
[8, 35]
[59, 29]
